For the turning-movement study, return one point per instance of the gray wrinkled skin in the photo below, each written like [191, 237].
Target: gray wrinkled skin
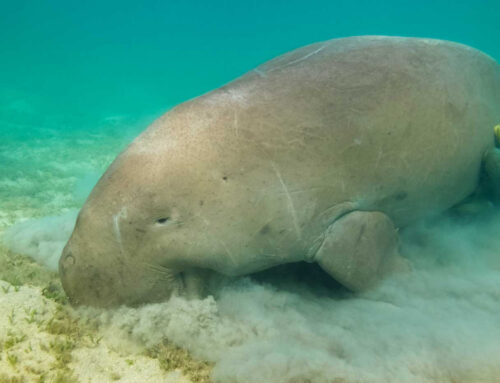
[252, 174]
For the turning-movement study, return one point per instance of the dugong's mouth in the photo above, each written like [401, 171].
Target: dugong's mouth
[195, 282]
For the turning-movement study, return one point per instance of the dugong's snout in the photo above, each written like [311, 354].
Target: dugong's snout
[82, 283]
[89, 282]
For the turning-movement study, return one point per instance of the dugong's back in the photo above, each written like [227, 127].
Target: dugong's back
[392, 124]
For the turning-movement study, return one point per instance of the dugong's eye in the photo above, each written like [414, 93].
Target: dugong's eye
[162, 221]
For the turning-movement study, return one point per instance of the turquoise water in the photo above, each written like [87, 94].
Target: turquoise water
[69, 63]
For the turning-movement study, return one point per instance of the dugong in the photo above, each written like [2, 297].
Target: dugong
[319, 155]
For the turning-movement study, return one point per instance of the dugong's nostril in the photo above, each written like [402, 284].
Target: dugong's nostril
[67, 260]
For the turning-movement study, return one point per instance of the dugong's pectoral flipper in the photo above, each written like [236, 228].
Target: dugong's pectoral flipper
[360, 248]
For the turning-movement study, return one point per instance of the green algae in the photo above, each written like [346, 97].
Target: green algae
[172, 357]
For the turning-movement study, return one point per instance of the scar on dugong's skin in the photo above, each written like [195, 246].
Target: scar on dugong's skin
[319, 155]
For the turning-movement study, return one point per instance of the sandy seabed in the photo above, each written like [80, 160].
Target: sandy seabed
[439, 323]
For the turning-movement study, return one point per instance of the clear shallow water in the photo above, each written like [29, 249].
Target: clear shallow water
[79, 81]
[70, 64]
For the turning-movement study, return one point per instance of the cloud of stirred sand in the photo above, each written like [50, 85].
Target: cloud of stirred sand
[439, 323]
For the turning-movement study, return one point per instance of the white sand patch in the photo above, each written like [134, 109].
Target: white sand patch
[29, 349]
[102, 364]
[24, 345]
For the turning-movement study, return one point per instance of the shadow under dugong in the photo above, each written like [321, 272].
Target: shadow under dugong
[319, 155]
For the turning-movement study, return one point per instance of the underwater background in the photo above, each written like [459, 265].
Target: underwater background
[79, 80]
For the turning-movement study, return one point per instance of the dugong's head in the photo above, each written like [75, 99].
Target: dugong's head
[155, 216]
